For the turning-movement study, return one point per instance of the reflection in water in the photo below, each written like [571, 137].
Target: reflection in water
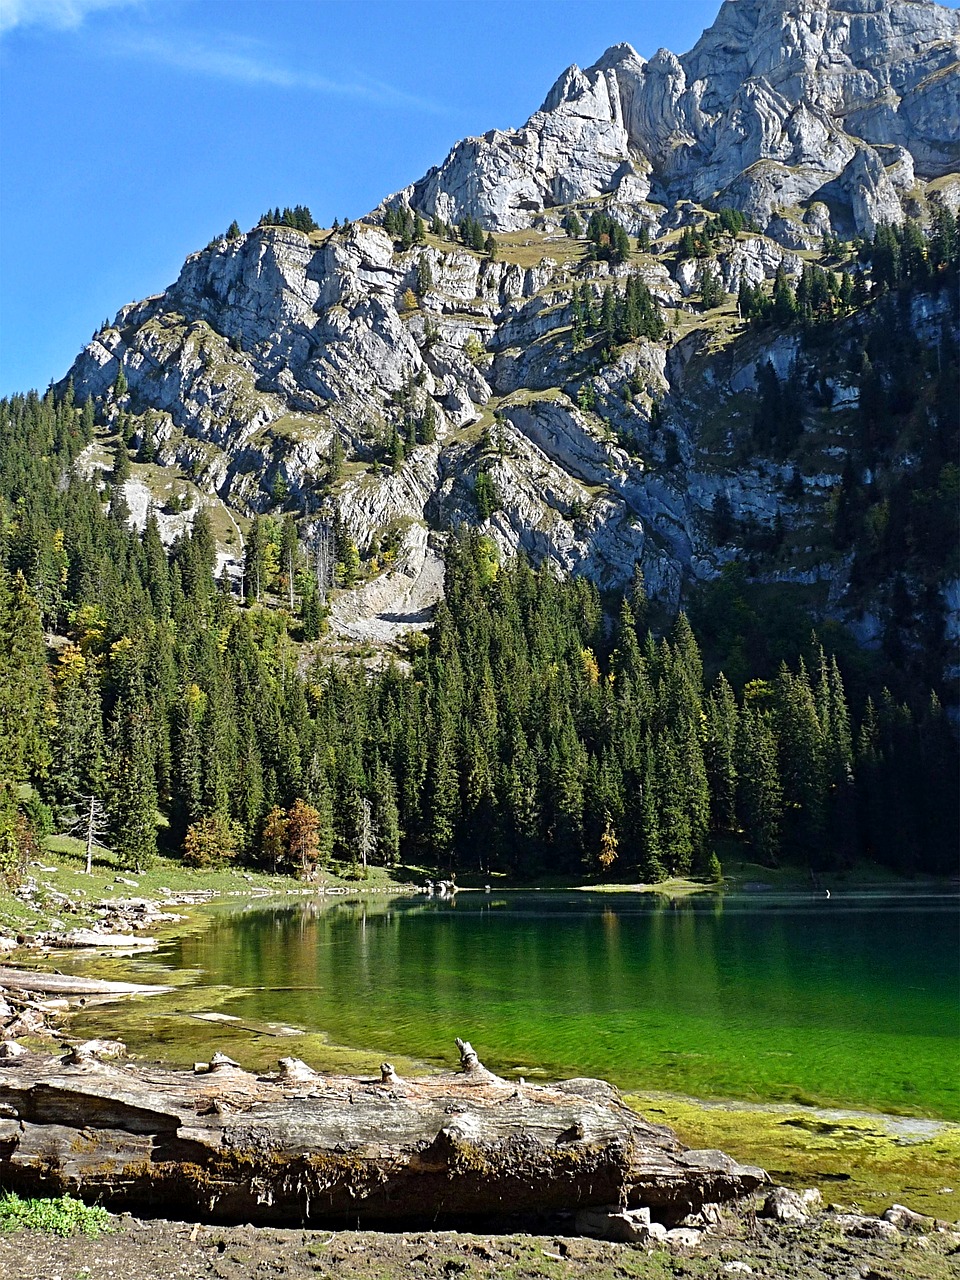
[781, 997]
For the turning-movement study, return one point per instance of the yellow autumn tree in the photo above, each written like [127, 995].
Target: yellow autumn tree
[211, 841]
[607, 853]
[303, 838]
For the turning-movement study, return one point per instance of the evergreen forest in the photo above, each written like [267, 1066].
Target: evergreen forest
[537, 728]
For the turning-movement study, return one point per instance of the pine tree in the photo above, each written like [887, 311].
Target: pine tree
[627, 660]
[289, 557]
[608, 314]
[424, 275]
[76, 735]
[711, 287]
[639, 603]
[686, 246]
[802, 760]
[443, 798]
[427, 431]
[784, 299]
[674, 818]
[134, 796]
[648, 824]
[386, 816]
[720, 753]
[396, 451]
[24, 694]
[567, 769]
[485, 495]
[760, 796]
[336, 461]
[188, 754]
[121, 463]
[255, 560]
[348, 564]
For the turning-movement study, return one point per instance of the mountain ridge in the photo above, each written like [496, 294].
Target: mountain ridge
[279, 350]
[693, 126]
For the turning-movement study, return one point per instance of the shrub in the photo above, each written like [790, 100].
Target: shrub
[63, 1216]
[211, 841]
[38, 815]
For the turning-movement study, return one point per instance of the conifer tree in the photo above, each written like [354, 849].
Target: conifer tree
[289, 557]
[648, 825]
[760, 796]
[121, 463]
[386, 816]
[76, 734]
[134, 796]
[711, 288]
[443, 797]
[720, 753]
[784, 299]
[335, 469]
[424, 275]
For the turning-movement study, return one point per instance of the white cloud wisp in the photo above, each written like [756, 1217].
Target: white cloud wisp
[61, 15]
[247, 62]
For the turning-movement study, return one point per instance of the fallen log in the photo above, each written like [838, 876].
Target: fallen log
[296, 1147]
[66, 984]
[80, 938]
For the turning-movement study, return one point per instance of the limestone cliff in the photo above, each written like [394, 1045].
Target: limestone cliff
[851, 102]
[284, 367]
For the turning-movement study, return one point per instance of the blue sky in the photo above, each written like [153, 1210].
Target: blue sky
[133, 131]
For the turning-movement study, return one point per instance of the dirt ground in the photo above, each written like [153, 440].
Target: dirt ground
[742, 1246]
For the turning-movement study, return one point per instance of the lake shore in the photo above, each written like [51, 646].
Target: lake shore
[857, 1158]
[57, 892]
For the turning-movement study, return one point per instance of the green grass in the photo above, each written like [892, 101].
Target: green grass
[60, 869]
[63, 1216]
[529, 248]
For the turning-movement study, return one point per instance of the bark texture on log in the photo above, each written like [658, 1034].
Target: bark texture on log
[298, 1147]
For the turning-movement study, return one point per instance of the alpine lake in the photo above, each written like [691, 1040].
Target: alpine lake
[816, 1034]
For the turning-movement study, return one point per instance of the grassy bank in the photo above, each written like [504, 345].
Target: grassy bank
[61, 871]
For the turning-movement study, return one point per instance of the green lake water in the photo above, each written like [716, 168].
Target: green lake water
[851, 1000]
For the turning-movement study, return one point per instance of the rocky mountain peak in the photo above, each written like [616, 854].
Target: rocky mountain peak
[394, 375]
[781, 103]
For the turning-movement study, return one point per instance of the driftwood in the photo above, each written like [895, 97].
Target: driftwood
[298, 1147]
[42, 982]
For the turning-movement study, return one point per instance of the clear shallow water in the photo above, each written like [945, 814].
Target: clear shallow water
[851, 1000]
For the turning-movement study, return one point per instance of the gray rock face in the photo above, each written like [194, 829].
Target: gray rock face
[277, 350]
[776, 103]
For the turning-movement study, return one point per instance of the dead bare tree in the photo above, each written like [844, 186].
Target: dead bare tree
[90, 824]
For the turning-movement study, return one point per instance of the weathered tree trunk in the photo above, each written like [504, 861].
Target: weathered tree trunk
[298, 1147]
[66, 984]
